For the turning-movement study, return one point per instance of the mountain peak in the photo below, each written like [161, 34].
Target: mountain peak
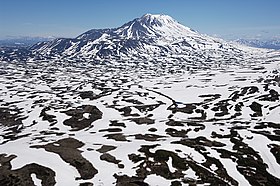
[154, 25]
[156, 19]
[157, 16]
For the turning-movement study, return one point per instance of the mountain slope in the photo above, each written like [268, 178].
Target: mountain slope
[149, 37]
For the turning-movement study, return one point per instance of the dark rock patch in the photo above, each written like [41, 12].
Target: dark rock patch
[125, 180]
[174, 123]
[244, 91]
[257, 108]
[258, 68]
[67, 149]
[177, 133]
[115, 123]
[198, 125]
[10, 117]
[176, 183]
[240, 79]
[136, 158]
[86, 184]
[88, 94]
[126, 111]
[156, 163]
[106, 148]
[188, 108]
[143, 120]
[199, 142]
[202, 170]
[146, 108]
[45, 133]
[263, 125]
[109, 158]
[111, 130]
[221, 171]
[202, 117]
[272, 96]
[238, 107]
[39, 101]
[275, 150]
[152, 129]
[22, 176]
[206, 176]
[133, 101]
[116, 137]
[221, 136]
[78, 121]
[210, 97]
[148, 137]
[221, 108]
[47, 117]
[11, 121]
[249, 162]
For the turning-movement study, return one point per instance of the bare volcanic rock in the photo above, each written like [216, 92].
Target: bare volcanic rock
[109, 158]
[10, 117]
[67, 149]
[143, 120]
[125, 180]
[48, 117]
[106, 148]
[257, 108]
[82, 117]
[22, 176]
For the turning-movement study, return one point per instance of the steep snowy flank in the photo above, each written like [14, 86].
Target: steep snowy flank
[150, 25]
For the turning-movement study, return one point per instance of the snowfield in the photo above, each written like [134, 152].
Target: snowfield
[148, 103]
[117, 125]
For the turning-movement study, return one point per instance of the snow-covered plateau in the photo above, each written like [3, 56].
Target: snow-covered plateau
[149, 103]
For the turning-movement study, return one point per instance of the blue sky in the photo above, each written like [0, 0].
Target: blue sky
[69, 18]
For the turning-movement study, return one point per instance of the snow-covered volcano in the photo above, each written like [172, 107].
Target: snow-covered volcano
[149, 37]
[152, 115]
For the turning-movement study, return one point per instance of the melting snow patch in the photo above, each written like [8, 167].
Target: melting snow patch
[36, 181]
[171, 168]
[190, 174]
[213, 167]
[86, 115]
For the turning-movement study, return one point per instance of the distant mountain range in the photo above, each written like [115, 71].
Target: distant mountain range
[261, 43]
[23, 41]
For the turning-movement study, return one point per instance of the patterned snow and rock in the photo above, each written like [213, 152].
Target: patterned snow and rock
[148, 103]
[70, 124]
